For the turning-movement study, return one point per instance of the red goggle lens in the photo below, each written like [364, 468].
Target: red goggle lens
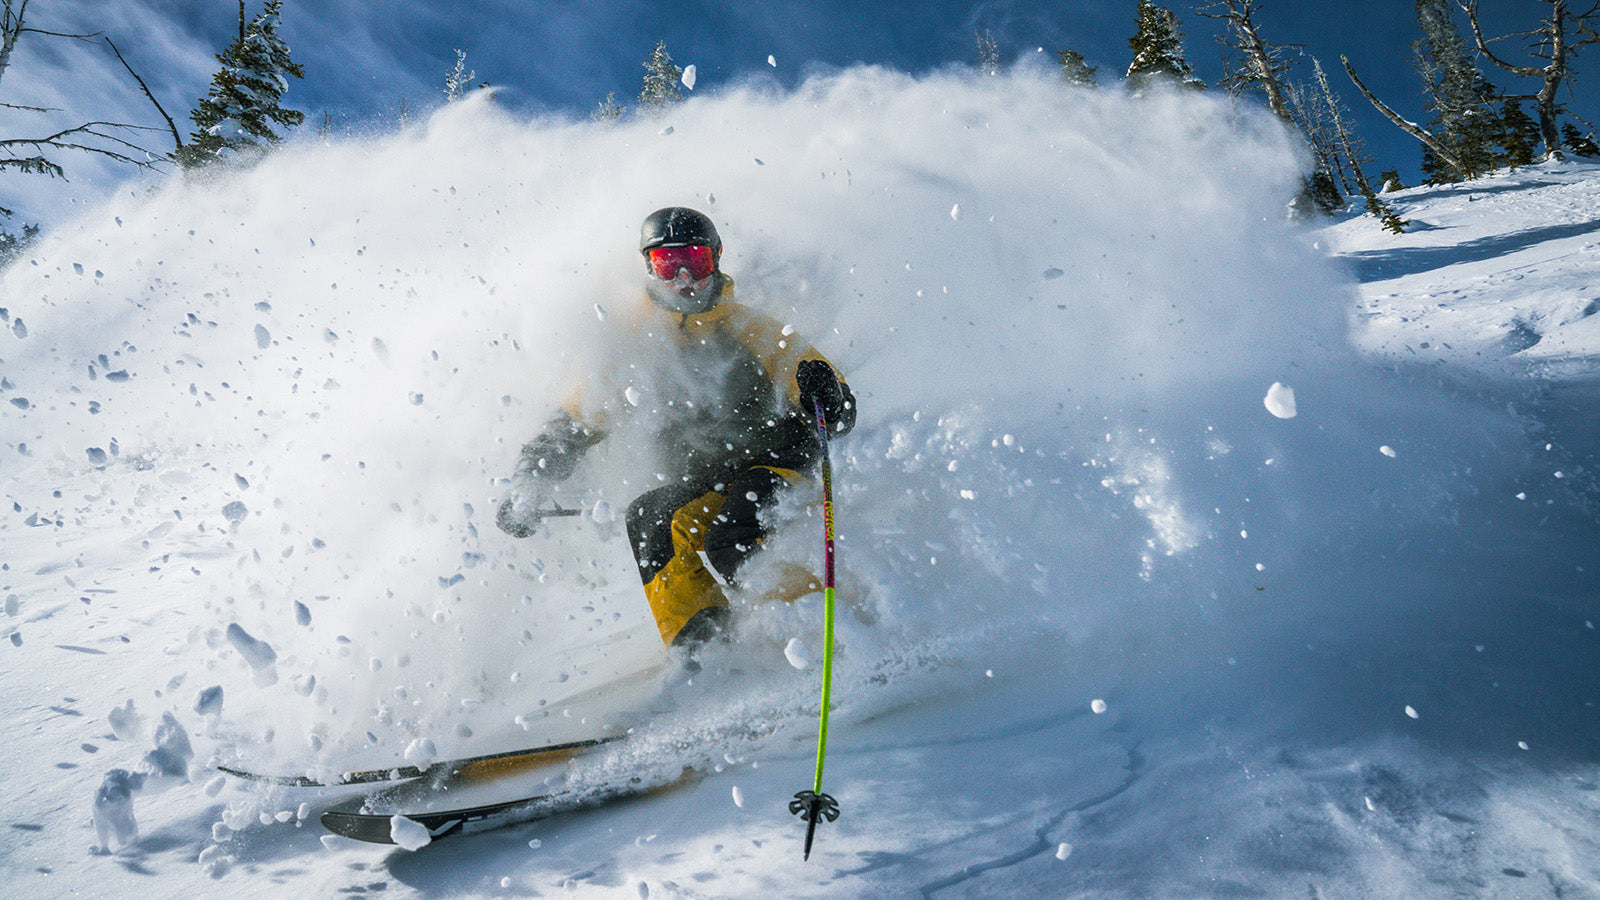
[666, 261]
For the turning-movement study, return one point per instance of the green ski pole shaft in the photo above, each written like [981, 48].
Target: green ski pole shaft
[814, 806]
[827, 596]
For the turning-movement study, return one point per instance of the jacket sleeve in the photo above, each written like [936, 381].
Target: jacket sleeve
[781, 350]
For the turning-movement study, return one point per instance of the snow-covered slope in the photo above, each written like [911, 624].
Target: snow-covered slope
[1181, 556]
[1496, 274]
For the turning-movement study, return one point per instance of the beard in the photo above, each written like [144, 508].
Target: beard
[685, 296]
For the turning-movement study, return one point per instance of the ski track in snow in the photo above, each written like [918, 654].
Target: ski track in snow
[1111, 623]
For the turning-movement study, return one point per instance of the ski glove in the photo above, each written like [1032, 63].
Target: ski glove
[515, 516]
[553, 455]
[547, 459]
[819, 386]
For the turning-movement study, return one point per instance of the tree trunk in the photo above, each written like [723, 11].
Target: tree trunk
[10, 28]
[1411, 128]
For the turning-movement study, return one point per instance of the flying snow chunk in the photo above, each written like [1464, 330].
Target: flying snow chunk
[955, 212]
[421, 752]
[797, 654]
[259, 654]
[1387, 450]
[1412, 713]
[738, 797]
[1063, 851]
[1280, 401]
[1097, 706]
[172, 754]
[772, 61]
[689, 74]
[408, 834]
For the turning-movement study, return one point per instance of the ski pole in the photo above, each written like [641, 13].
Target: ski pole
[813, 805]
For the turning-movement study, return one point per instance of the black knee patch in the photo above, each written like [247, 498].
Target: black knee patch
[703, 626]
[737, 531]
[650, 526]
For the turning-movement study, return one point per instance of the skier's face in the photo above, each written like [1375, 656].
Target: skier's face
[682, 278]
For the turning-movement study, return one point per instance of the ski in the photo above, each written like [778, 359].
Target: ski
[442, 769]
[354, 821]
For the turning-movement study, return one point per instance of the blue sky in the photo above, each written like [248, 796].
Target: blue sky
[365, 62]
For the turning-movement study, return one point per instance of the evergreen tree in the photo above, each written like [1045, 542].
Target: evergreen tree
[1459, 97]
[609, 110]
[458, 81]
[1076, 69]
[1578, 142]
[12, 245]
[238, 115]
[988, 53]
[1157, 47]
[1521, 138]
[1385, 214]
[661, 79]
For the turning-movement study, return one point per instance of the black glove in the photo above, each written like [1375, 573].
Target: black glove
[547, 459]
[820, 387]
[552, 456]
[512, 518]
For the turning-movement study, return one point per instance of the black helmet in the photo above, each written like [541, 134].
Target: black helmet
[678, 226]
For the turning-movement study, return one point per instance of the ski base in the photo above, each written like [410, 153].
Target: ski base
[465, 766]
[355, 820]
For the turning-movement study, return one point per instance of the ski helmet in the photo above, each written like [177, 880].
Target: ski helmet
[678, 226]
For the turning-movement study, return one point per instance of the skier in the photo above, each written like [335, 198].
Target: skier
[729, 394]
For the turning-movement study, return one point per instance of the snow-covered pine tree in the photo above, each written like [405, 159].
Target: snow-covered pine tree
[12, 245]
[1076, 70]
[609, 110]
[1460, 98]
[988, 53]
[661, 79]
[237, 117]
[458, 81]
[1157, 46]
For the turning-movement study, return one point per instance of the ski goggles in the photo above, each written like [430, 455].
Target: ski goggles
[665, 262]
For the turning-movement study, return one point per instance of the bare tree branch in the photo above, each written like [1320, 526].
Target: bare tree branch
[1409, 127]
[38, 109]
[93, 129]
[1262, 66]
[1553, 45]
[177, 141]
